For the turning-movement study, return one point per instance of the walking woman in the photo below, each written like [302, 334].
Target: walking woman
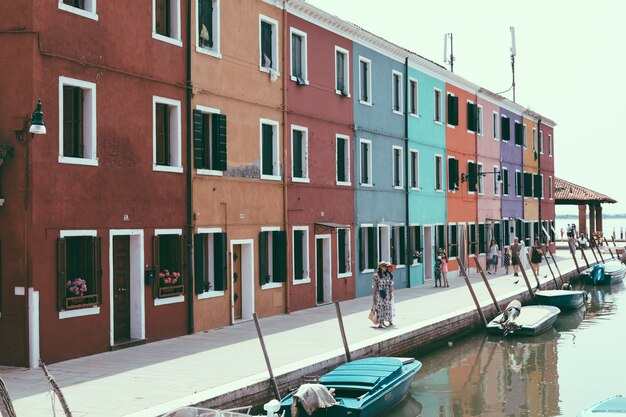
[494, 253]
[536, 255]
[444, 269]
[382, 292]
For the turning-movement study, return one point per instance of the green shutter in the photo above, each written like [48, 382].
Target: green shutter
[372, 253]
[453, 110]
[297, 154]
[341, 249]
[519, 134]
[220, 262]
[267, 163]
[362, 237]
[505, 128]
[279, 255]
[61, 273]
[341, 160]
[198, 140]
[298, 264]
[505, 181]
[473, 176]
[471, 117]
[402, 246]
[537, 186]
[263, 257]
[199, 262]
[218, 142]
[453, 174]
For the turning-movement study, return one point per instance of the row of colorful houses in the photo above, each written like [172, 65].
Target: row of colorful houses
[206, 160]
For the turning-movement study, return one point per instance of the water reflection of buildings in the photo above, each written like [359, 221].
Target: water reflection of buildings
[498, 377]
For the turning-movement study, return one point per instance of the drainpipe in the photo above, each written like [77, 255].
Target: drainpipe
[189, 178]
[284, 115]
[539, 145]
[407, 255]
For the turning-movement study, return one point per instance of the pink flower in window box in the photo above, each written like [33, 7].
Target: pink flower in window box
[77, 287]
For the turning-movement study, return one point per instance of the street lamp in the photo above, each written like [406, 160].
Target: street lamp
[34, 123]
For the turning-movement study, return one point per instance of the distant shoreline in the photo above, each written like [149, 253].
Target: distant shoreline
[604, 216]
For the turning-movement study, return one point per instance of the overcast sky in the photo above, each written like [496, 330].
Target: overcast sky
[569, 67]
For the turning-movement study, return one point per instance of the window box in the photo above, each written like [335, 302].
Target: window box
[171, 291]
[81, 301]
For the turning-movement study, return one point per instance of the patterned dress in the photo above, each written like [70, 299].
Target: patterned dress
[383, 306]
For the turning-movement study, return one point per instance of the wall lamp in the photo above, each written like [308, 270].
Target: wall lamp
[34, 123]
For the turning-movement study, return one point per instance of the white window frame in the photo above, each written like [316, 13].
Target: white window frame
[549, 145]
[414, 173]
[346, 151]
[209, 110]
[383, 239]
[504, 190]
[276, 176]
[179, 298]
[209, 253]
[369, 163]
[368, 63]
[176, 160]
[479, 120]
[414, 98]
[366, 248]
[542, 187]
[305, 154]
[349, 255]
[410, 242]
[540, 144]
[452, 227]
[400, 168]
[448, 95]
[90, 10]
[90, 140]
[395, 235]
[439, 173]
[534, 139]
[175, 18]
[550, 188]
[437, 106]
[270, 260]
[496, 124]
[275, 68]
[399, 92]
[305, 249]
[215, 51]
[303, 53]
[346, 70]
[496, 184]
[524, 140]
[480, 178]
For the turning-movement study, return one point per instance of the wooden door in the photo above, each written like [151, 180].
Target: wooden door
[320, 270]
[237, 287]
[121, 288]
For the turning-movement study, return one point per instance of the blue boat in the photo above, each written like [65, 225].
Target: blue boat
[362, 388]
[609, 407]
[609, 273]
[563, 299]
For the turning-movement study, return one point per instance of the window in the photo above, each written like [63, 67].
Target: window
[167, 260]
[541, 141]
[481, 178]
[398, 171]
[367, 248]
[528, 184]
[518, 183]
[440, 237]
[366, 162]
[453, 174]
[519, 134]
[472, 177]
[299, 70]
[506, 232]
[550, 190]
[550, 144]
[413, 98]
[209, 141]
[438, 173]
[365, 77]
[396, 92]
[343, 160]
[166, 21]
[166, 135]
[482, 239]
[524, 140]
[414, 167]
[534, 139]
[300, 254]
[505, 181]
[208, 28]
[505, 126]
[77, 120]
[479, 118]
[343, 252]
[453, 241]
[268, 45]
[85, 8]
[342, 72]
[273, 256]
[453, 110]
[299, 154]
[538, 185]
[496, 180]
[384, 242]
[472, 117]
[398, 250]
[415, 244]
[437, 105]
[79, 270]
[495, 125]
[210, 264]
[472, 240]
[270, 165]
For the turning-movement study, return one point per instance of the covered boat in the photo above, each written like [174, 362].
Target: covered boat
[362, 388]
[563, 299]
[604, 274]
[609, 407]
[523, 321]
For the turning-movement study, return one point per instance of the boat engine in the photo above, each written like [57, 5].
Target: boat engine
[511, 312]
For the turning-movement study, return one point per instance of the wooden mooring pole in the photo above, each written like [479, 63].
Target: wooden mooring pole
[6, 406]
[556, 284]
[598, 249]
[56, 389]
[534, 273]
[574, 258]
[523, 271]
[582, 251]
[486, 281]
[471, 290]
[557, 268]
[609, 248]
[267, 358]
[343, 332]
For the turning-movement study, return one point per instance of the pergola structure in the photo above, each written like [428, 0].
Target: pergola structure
[568, 193]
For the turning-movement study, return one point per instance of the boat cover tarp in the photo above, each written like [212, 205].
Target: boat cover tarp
[363, 372]
[613, 405]
[597, 272]
[313, 397]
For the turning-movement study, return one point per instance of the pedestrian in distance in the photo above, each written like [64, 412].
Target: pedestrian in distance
[516, 250]
[444, 269]
[536, 255]
[493, 256]
[561, 233]
[382, 293]
[507, 260]
[438, 264]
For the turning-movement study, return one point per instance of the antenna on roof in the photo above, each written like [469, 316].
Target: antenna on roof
[513, 53]
[450, 59]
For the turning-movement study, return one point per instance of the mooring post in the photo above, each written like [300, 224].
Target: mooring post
[471, 290]
[609, 248]
[523, 271]
[343, 332]
[575, 261]
[6, 406]
[534, 273]
[486, 281]
[599, 253]
[55, 387]
[267, 358]
[582, 251]
[551, 272]
[557, 268]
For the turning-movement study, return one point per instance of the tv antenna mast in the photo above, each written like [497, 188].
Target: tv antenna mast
[448, 59]
[513, 53]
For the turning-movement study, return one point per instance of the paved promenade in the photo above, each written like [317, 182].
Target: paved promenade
[148, 380]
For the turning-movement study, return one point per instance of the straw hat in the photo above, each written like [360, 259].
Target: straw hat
[384, 263]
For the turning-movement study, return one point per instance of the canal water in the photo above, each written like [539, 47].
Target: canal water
[558, 373]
